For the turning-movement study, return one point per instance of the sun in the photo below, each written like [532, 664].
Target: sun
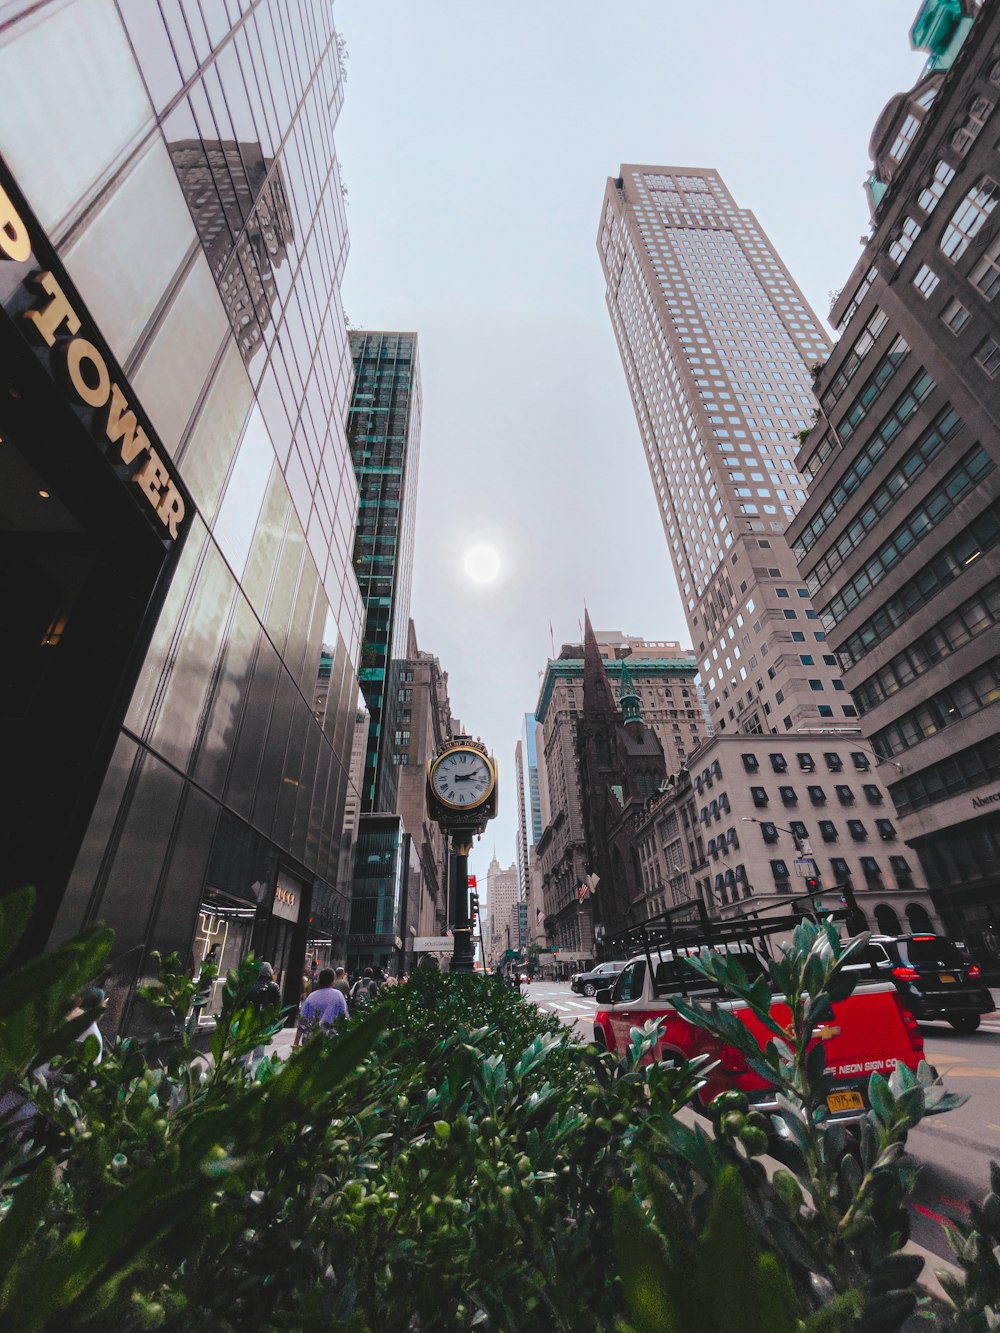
[482, 563]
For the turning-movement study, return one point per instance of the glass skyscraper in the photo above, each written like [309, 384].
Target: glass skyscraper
[383, 428]
[179, 501]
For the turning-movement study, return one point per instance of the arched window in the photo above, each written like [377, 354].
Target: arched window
[918, 918]
[887, 920]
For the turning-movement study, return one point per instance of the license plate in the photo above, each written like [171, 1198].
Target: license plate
[845, 1101]
[947, 976]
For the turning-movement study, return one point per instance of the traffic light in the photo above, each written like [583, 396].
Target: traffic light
[473, 908]
[812, 884]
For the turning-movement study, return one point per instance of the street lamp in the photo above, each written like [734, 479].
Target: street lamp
[854, 735]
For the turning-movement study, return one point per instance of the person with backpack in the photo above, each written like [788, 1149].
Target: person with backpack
[264, 994]
[364, 990]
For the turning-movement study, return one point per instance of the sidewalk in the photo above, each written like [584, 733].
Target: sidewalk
[281, 1044]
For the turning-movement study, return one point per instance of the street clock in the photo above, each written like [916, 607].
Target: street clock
[462, 785]
[462, 799]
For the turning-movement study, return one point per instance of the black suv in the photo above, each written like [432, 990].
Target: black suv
[932, 977]
[588, 983]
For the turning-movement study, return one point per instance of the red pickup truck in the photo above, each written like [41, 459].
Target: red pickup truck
[870, 1032]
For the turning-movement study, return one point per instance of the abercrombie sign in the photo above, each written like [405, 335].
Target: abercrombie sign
[83, 367]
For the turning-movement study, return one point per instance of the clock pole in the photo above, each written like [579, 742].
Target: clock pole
[462, 811]
[463, 954]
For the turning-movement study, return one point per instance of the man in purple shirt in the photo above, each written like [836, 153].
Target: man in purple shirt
[321, 1008]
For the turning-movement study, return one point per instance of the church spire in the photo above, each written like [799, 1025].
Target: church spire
[631, 703]
[598, 695]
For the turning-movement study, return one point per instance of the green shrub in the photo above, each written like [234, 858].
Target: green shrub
[452, 1160]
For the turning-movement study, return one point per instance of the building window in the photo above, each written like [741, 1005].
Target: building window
[759, 796]
[886, 830]
[986, 273]
[778, 762]
[798, 830]
[955, 316]
[988, 356]
[844, 795]
[860, 761]
[872, 873]
[815, 685]
[901, 871]
[908, 233]
[750, 763]
[833, 761]
[817, 795]
[779, 869]
[969, 218]
[939, 182]
[873, 794]
[828, 830]
[925, 280]
[840, 869]
[769, 831]
[806, 762]
[857, 830]
[788, 796]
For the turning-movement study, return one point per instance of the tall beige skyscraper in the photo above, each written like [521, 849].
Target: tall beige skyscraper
[718, 345]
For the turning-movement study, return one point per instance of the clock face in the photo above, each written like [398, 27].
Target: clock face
[462, 779]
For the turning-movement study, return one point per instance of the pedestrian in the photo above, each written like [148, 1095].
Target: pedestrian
[264, 994]
[364, 990]
[341, 983]
[321, 1008]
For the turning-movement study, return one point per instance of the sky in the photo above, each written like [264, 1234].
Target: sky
[475, 142]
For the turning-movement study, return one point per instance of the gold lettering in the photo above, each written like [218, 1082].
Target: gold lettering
[122, 426]
[14, 241]
[57, 312]
[151, 478]
[79, 351]
[170, 510]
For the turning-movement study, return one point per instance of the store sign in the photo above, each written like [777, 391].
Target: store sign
[982, 802]
[88, 375]
[287, 902]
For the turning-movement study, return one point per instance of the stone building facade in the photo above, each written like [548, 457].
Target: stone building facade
[898, 541]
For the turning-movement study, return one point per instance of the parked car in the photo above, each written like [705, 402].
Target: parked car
[871, 1030]
[932, 976]
[588, 983]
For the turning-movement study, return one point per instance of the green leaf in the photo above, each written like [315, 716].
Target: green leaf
[17, 1231]
[644, 1268]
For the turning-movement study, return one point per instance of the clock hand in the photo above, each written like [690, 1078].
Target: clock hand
[465, 777]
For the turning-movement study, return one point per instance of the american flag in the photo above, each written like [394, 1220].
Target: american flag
[539, 917]
[583, 890]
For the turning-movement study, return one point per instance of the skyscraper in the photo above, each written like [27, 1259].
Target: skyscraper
[718, 344]
[502, 900]
[719, 348]
[898, 538]
[383, 430]
[179, 509]
[529, 801]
